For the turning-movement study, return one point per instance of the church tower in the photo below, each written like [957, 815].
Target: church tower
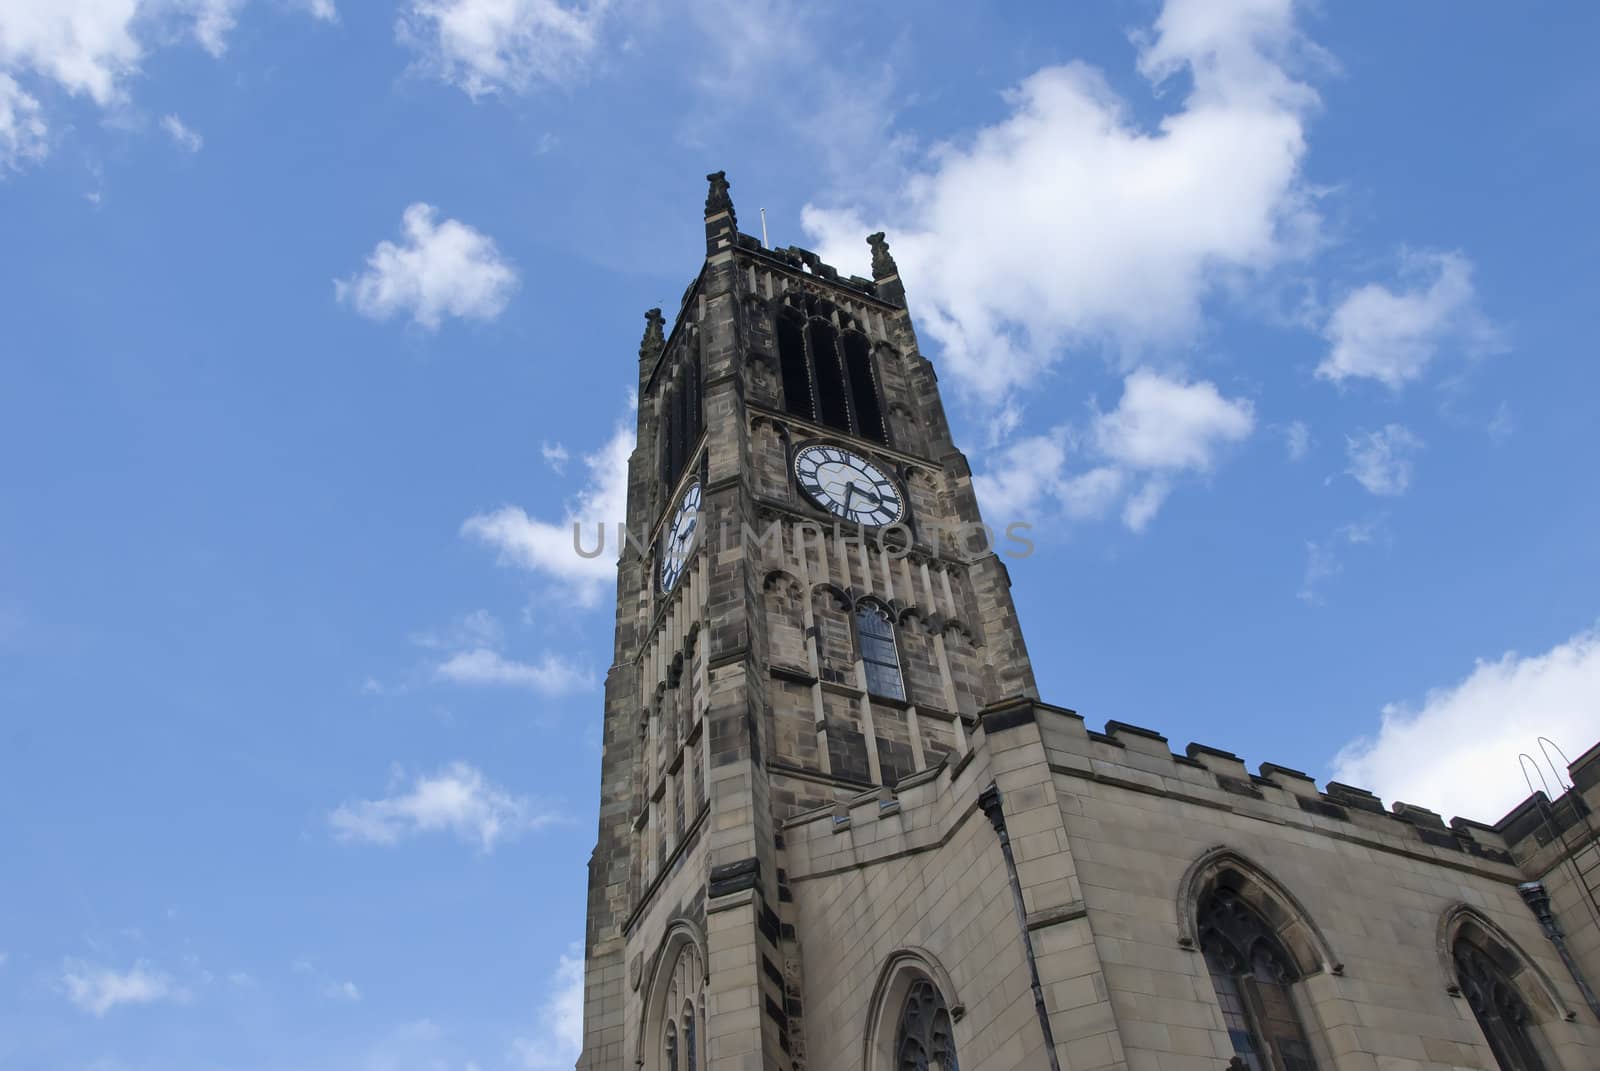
[840, 831]
[810, 613]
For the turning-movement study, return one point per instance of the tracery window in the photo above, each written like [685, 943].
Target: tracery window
[924, 1041]
[688, 1039]
[1253, 975]
[678, 1021]
[875, 633]
[1498, 1007]
[826, 377]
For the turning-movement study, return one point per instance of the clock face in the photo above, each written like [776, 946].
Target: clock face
[678, 539]
[848, 485]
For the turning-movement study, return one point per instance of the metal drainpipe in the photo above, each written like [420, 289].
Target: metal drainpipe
[1537, 897]
[989, 800]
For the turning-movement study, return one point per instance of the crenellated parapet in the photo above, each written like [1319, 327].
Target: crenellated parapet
[1141, 760]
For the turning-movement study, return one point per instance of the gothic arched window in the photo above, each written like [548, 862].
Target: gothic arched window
[682, 413]
[863, 387]
[677, 1008]
[795, 365]
[1253, 974]
[688, 1039]
[1498, 1007]
[827, 377]
[875, 632]
[924, 1041]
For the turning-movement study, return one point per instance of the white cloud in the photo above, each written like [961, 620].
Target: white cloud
[1165, 424]
[1297, 440]
[457, 799]
[1142, 505]
[555, 455]
[322, 10]
[551, 675]
[1073, 224]
[560, 1029]
[493, 46]
[548, 548]
[1503, 425]
[93, 48]
[1026, 472]
[1323, 560]
[480, 628]
[346, 991]
[1161, 428]
[441, 269]
[1456, 752]
[97, 989]
[1381, 460]
[22, 131]
[211, 21]
[181, 135]
[1391, 336]
[85, 46]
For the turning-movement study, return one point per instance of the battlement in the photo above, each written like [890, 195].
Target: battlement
[1142, 757]
[921, 808]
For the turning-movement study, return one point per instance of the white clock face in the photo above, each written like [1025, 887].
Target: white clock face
[847, 485]
[678, 539]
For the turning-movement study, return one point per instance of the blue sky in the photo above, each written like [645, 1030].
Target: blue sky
[1274, 320]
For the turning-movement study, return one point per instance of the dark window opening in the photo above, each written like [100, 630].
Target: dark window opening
[697, 417]
[876, 634]
[1253, 975]
[833, 403]
[1498, 1007]
[680, 430]
[664, 449]
[863, 390]
[796, 375]
[682, 419]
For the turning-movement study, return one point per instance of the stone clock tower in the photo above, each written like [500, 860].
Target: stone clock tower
[839, 830]
[805, 627]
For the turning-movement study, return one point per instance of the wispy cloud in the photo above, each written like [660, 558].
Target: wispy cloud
[547, 547]
[555, 455]
[1324, 558]
[437, 270]
[23, 133]
[1296, 439]
[97, 989]
[95, 49]
[1392, 335]
[559, 1034]
[1456, 751]
[551, 675]
[1381, 460]
[457, 800]
[478, 628]
[502, 46]
[470, 651]
[211, 21]
[183, 137]
[1161, 429]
